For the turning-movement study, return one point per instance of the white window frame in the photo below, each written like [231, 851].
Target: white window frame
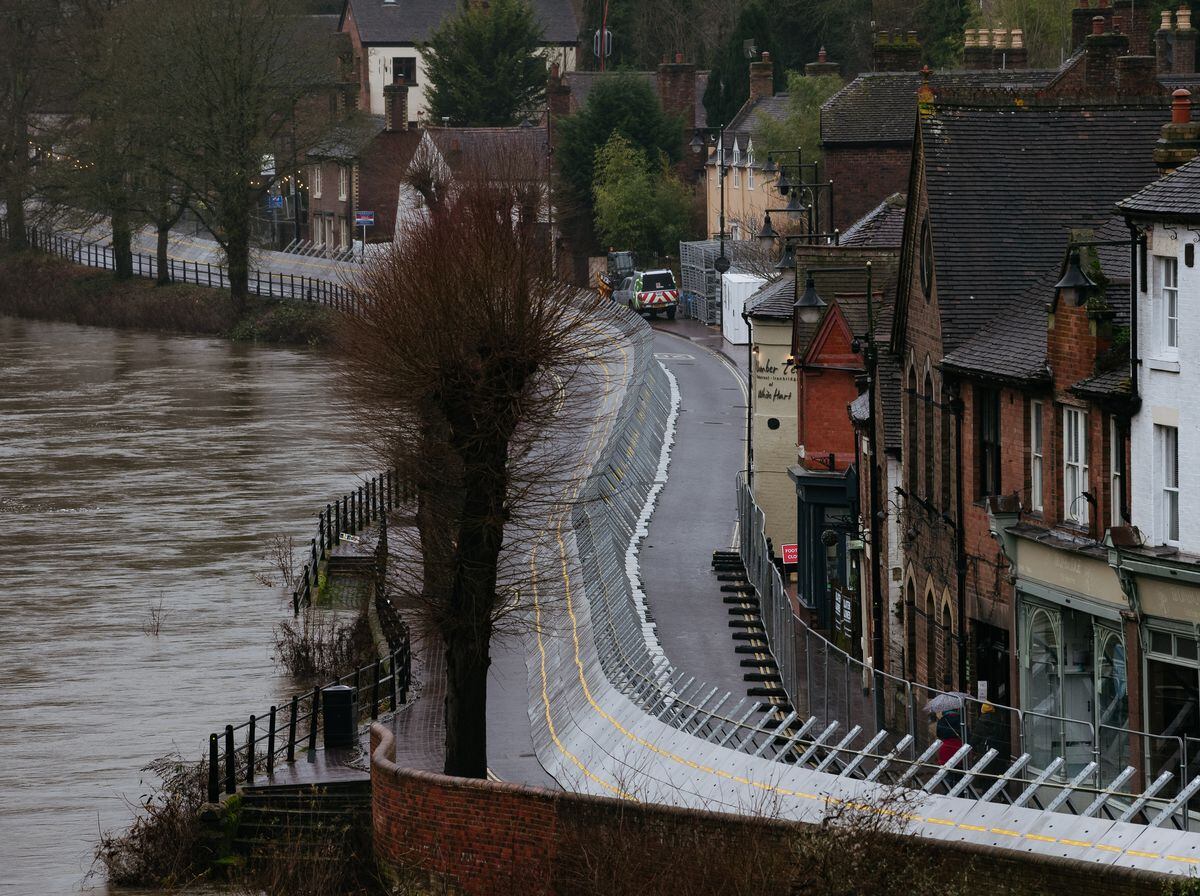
[1166, 281]
[1166, 440]
[316, 182]
[750, 175]
[1037, 447]
[1116, 450]
[343, 182]
[1075, 466]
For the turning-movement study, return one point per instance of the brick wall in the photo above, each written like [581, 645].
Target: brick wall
[484, 838]
[863, 176]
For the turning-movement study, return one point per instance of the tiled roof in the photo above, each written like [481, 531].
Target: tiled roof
[1175, 196]
[746, 123]
[1106, 384]
[401, 22]
[774, 299]
[580, 85]
[887, 369]
[881, 107]
[1012, 347]
[476, 150]
[346, 141]
[883, 226]
[1000, 220]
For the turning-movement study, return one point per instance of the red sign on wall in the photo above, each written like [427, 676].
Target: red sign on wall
[791, 554]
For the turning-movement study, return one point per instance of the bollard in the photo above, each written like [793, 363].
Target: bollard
[375, 693]
[250, 753]
[291, 747]
[230, 774]
[271, 744]
[312, 725]
[214, 781]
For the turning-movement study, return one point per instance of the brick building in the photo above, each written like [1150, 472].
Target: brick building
[984, 242]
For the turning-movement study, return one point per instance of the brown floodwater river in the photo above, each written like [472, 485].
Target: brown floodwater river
[138, 471]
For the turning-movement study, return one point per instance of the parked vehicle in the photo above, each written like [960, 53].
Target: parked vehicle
[650, 292]
[620, 266]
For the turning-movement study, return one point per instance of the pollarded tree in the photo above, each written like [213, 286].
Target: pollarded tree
[485, 66]
[462, 352]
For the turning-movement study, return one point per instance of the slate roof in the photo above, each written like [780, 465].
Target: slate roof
[881, 107]
[580, 85]
[887, 368]
[347, 140]
[746, 123]
[882, 227]
[474, 151]
[1107, 384]
[774, 299]
[1012, 347]
[404, 22]
[1000, 220]
[1175, 197]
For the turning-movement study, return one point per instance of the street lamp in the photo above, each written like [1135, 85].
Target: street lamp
[699, 142]
[808, 305]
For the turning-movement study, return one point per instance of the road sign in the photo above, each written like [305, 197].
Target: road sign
[364, 219]
[791, 554]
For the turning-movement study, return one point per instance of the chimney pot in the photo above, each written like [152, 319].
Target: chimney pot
[912, 37]
[883, 37]
[1181, 106]
[1165, 24]
[822, 56]
[1018, 38]
[1103, 4]
[1183, 18]
[984, 38]
[1118, 24]
[969, 37]
[1097, 24]
[1084, 4]
[1000, 38]
[678, 58]
[766, 57]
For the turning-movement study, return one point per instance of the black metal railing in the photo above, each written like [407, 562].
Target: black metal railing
[242, 752]
[266, 284]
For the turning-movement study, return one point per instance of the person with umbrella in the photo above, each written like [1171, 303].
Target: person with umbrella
[947, 709]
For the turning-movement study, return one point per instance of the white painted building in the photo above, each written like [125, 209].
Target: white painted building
[386, 37]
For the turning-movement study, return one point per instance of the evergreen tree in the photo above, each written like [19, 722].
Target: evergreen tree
[485, 67]
[622, 104]
[640, 206]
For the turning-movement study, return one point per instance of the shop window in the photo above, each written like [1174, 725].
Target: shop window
[1075, 467]
[1172, 708]
[1036, 449]
[1167, 439]
[987, 415]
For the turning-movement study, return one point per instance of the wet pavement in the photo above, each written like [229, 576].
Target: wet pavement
[141, 477]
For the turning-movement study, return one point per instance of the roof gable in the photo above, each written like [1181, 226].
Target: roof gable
[830, 345]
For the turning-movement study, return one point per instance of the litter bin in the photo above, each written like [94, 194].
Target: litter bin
[341, 716]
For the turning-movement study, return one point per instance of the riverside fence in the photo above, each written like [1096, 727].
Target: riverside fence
[1048, 761]
[265, 284]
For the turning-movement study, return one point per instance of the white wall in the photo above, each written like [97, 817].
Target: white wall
[735, 289]
[1170, 387]
[379, 61]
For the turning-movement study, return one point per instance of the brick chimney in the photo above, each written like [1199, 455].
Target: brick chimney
[897, 53]
[1183, 54]
[677, 90]
[1018, 54]
[395, 106]
[977, 51]
[1180, 138]
[822, 66]
[1101, 50]
[1081, 21]
[1138, 76]
[1137, 24]
[1162, 42]
[762, 77]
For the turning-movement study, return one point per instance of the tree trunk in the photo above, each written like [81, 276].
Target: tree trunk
[122, 243]
[237, 257]
[468, 627]
[15, 217]
[164, 260]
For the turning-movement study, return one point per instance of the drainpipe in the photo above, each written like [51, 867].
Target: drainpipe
[1134, 362]
[960, 540]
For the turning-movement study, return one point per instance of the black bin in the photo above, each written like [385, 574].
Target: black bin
[341, 716]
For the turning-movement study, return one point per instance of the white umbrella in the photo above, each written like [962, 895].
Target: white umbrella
[947, 701]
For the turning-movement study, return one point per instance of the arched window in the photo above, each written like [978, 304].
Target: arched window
[931, 676]
[929, 455]
[910, 633]
[947, 422]
[947, 632]
[910, 423]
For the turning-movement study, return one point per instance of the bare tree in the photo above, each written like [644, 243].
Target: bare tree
[463, 354]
